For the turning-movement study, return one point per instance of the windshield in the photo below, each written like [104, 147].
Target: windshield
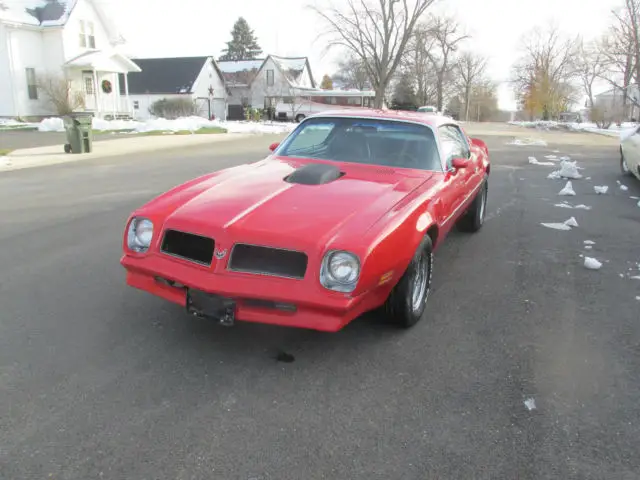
[364, 140]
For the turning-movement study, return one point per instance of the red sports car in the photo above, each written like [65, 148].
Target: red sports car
[341, 218]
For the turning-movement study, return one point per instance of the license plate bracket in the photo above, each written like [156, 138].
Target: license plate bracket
[210, 306]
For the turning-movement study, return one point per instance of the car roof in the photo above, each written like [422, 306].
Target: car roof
[433, 121]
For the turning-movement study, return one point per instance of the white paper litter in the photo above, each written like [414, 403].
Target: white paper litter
[572, 222]
[567, 190]
[592, 264]
[589, 242]
[534, 161]
[600, 189]
[530, 403]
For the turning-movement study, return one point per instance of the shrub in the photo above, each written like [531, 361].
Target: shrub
[172, 108]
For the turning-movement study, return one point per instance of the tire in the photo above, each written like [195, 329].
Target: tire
[67, 148]
[408, 299]
[299, 118]
[624, 168]
[473, 219]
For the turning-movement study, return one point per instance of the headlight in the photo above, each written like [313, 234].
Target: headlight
[340, 271]
[139, 234]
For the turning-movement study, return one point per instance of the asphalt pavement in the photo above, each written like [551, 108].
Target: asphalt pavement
[98, 380]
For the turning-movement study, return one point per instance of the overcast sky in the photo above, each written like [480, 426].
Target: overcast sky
[289, 28]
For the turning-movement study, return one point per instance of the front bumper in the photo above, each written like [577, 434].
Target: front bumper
[257, 296]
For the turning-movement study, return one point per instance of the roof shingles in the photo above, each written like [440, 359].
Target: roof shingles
[164, 75]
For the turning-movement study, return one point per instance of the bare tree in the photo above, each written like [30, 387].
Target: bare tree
[545, 70]
[60, 92]
[621, 50]
[470, 69]
[352, 73]
[418, 61]
[377, 32]
[446, 37]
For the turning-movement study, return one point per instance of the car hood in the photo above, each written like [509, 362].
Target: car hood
[255, 204]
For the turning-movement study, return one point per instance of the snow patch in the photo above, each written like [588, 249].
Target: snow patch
[589, 242]
[572, 222]
[592, 264]
[556, 226]
[582, 207]
[600, 189]
[632, 197]
[563, 205]
[567, 190]
[624, 188]
[588, 247]
[524, 142]
[190, 124]
[534, 161]
[636, 277]
[530, 403]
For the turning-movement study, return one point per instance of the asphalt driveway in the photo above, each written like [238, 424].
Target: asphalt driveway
[101, 381]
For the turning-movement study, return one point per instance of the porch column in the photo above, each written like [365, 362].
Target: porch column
[98, 99]
[126, 93]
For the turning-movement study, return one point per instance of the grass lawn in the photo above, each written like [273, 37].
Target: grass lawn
[5, 151]
[202, 131]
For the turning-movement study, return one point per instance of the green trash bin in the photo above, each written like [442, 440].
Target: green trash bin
[79, 133]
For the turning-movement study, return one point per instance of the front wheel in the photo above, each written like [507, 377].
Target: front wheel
[624, 167]
[408, 299]
[299, 117]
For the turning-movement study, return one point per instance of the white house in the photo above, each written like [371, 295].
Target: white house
[263, 83]
[614, 103]
[65, 38]
[197, 79]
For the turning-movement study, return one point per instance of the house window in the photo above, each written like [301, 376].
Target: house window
[88, 85]
[354, 101]
[136, 104]
[32, 88]
[87, 34]
[270, 78]
[287, 100]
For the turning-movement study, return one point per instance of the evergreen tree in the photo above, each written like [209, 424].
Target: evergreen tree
[404, 94]
[327, 83]
[243, 44]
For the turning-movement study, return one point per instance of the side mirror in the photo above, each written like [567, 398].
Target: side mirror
[273, 146]
[459, 163]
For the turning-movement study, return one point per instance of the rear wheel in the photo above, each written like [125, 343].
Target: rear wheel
[408, 299]
[473, 219]
[624, 167]
[299, 117]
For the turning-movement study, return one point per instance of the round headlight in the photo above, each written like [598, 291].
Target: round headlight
[343, 267]
[140, 234]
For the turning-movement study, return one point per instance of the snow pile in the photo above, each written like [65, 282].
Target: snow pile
[183, 124]
[589, 242]
[568, 169]
[601, 189]
[582, 207]
[534, 161]
[530, 403]
[5, 162]
[592, 264]
[566, 225]
[623, 131]
[567, 190]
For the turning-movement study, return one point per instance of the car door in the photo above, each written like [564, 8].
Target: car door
[631, 149]
[453, 146]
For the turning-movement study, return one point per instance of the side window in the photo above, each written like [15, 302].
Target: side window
[453, 144]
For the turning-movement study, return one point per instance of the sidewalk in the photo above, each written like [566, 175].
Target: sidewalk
[51, 155]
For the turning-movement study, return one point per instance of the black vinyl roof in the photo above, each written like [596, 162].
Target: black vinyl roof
[163, 75]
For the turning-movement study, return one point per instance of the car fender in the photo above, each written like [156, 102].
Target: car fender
[394, 246]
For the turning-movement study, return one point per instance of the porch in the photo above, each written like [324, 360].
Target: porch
[95, 74]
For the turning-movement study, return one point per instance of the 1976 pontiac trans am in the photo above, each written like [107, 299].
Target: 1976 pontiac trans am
[343, 217]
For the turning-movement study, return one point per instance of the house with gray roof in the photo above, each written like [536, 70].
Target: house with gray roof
[196, 79]
[69, 40]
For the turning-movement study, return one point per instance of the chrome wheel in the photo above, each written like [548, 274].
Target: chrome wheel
[420, 281]
[483, 203]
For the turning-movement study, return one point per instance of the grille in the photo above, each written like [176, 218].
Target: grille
[268, 261]
[188, 246]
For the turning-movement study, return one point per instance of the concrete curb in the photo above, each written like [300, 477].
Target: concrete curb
[49, 155]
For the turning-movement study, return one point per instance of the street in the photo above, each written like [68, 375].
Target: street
[98, 380]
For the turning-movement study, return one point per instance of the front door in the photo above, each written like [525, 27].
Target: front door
[89, 88]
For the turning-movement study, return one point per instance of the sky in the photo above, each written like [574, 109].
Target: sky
[159, 28]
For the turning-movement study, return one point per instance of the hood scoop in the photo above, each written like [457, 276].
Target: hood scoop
[314, 174]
